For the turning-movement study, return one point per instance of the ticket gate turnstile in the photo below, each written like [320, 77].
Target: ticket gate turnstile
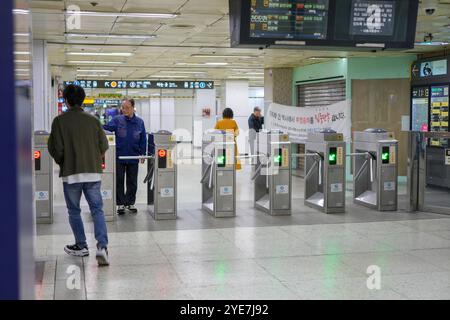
[325, 171]
[219, 173]
[161, 176]
[109, 179]
[43, 178]
[375, 169]
[272, 177]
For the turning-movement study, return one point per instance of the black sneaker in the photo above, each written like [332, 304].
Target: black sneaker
[132, 209]
[76, 251]
[120, 210]
[102, 256]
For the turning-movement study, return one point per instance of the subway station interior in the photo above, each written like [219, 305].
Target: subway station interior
[342, 193]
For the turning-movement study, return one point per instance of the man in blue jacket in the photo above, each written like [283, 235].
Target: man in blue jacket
[131, 140]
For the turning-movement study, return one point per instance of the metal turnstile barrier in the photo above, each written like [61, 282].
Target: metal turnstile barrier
[219, 173]
[272, 177]
[375, 169]
[43, 178]
[325, 171]
[161, 176]
[423, 193]
[109, 179]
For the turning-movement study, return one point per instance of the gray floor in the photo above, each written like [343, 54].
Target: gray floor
[308, 255]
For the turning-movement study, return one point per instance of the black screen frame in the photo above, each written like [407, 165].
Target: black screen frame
[240, 32]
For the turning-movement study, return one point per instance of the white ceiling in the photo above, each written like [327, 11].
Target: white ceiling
[201, 27]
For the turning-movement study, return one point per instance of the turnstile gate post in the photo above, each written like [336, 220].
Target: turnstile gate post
[109, 179]
[375, 169]
[43, 178]
[272, 178]
[325, 171]
[162, 176]
[219, 173]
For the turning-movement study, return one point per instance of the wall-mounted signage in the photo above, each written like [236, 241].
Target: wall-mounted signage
[141, 84]
[430, 69]
[433, 68]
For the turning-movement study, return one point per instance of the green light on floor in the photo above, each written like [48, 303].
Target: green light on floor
[220, 271]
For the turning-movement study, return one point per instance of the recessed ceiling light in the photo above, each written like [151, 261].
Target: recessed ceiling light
[94, 70]
[114, 36]
[21, 52]
[186, 72]
[202, 64]
[123, 14]
[114, 54]
[22, 61]
[94, 62]
[222, 56]
[21, 11]
[431, 43]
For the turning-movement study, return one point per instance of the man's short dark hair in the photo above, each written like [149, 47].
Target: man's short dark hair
[74, 95]
[255, 109]
[227, 113]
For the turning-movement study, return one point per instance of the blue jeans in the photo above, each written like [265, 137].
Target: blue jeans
[92, 193]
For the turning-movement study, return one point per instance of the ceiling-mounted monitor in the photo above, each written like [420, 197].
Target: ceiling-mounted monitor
[340, 24]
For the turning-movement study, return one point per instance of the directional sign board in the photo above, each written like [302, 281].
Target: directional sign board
[141, 84]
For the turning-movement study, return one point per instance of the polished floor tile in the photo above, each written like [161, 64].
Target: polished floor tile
[341, 289]
[307, 255]
[275, 291]
[420, 286]
[294, 269]
[226, 272]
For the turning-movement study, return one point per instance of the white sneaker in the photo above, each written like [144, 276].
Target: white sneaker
[132, 208]
[120, 210]
[76, 251]
[102, 257]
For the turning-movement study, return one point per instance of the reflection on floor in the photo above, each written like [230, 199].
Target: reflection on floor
[309, 255]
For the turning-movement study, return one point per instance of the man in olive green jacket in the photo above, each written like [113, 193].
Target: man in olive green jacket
[78, 144]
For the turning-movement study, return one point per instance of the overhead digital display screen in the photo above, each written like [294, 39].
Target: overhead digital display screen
[289, 19]
[372, 18]
[326, 24]
[141, 84]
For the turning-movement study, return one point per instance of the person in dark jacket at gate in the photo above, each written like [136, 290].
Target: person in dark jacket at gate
[255, 125]
[131, 140]
[78, 144]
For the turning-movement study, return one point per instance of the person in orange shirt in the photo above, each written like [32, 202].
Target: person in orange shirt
[228, 124]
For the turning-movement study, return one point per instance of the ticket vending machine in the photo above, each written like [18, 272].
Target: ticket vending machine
[219, 173]
[430, 107]
[161, 176]
[109, 179]
[325, 171]
[272, 177]
[43, 178]
[375, 169]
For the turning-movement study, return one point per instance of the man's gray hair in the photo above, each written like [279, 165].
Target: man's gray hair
[130, 100]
